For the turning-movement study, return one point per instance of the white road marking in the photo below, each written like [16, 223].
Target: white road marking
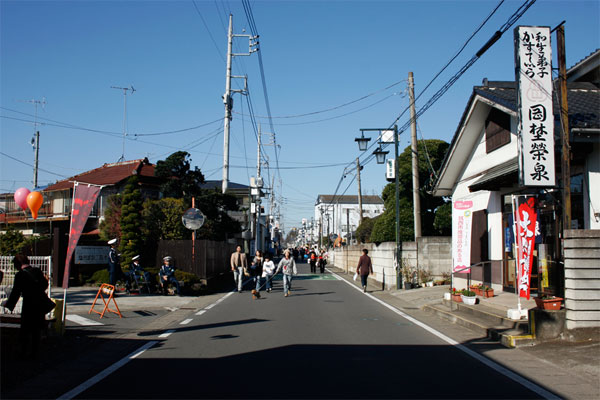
[82, 321]
[497, 367]
[186, 321]
[167, 333]
[97, 378]
[209, 307]
[172, 309]
[200, 312]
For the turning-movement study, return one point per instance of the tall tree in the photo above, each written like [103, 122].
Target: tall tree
[131, 220]
[431, 156]
[110, 226]
[181, 181]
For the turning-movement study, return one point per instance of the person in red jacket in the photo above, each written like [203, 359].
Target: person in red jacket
[364, 268]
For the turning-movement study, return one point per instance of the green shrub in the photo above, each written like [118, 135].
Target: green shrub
[99, 277]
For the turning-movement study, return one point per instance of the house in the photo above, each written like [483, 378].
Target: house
[481, 166]
[340, 215]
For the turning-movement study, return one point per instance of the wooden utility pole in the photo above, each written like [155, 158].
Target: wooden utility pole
[360, 207]
[564, 120]
[415, 157]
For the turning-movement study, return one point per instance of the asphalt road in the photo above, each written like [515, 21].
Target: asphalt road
[327, 340]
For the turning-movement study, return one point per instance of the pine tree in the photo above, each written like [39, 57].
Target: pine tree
[131, 221]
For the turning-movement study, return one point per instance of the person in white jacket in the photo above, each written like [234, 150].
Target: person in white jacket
[268, 271]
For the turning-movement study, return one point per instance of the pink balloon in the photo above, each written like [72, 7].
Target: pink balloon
[21, 197]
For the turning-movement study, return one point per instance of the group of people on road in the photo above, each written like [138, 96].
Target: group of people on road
[262, 270]
[166, 273]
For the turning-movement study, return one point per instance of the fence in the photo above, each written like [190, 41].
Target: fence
[42, 262]
[210, 258]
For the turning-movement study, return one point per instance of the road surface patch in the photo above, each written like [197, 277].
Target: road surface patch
[79, 320]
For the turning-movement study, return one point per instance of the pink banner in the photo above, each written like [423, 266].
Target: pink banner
[525, 220]
[84, 198]
[462, 215]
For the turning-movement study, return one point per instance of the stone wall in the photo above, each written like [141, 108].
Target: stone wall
[434, 255]
[582, 278]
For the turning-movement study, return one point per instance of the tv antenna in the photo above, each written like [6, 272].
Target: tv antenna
[125, 90]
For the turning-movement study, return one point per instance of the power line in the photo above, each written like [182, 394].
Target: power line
[30, 165]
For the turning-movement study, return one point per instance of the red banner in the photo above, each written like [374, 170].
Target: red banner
[84, 198]
[525, 221]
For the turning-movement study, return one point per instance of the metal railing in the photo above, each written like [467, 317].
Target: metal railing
[6, 265]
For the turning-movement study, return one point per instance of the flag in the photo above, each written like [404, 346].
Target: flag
[84, 197]
[525, 220]
[462, 216]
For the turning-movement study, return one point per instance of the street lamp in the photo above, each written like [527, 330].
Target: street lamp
[362, 141]
[380, 156]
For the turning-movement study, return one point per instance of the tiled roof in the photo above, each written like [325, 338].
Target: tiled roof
[218, 184]
[348, 199]
[108, 174]
[583, 98]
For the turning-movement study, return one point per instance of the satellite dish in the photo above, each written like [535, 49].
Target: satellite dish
[193, 219]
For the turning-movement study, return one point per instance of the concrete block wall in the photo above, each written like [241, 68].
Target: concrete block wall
[582, 278]
[434, 254]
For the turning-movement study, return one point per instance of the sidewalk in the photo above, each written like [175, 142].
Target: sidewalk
[569, 368]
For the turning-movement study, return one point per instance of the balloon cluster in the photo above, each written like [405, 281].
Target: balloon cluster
[32, 200]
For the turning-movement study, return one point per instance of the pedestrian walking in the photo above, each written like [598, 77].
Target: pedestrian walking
[31, 284]
[256, 270]
[239, 265]
[312, 260]
[322, 261]
[364, 268]
[268, 272]
[287, 266]
[166, 275]
[114, 264]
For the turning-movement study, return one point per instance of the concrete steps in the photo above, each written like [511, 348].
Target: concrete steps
[488, 321]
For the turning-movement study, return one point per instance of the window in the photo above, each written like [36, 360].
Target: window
[497, 130]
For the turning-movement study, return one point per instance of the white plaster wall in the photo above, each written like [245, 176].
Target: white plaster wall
[593, 208]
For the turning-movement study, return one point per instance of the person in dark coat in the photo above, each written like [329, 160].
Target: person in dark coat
[312, 260]
[166, 275]
[364, 268]
[114, 264]
[31, 284]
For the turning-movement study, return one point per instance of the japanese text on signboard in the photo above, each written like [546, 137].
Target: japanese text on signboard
[536, 117]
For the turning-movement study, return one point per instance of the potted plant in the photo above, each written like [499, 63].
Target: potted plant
[407, 274]
[456, 295]
[426, 278]
[469, 297]
[477, 289]
[488, 291]
[548, 302]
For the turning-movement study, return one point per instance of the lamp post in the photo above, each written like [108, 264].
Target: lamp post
[380, 157]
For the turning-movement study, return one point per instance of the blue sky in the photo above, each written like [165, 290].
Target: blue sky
[317, 55]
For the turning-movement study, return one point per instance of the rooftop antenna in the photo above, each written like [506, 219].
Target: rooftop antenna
[35, 140]
[124, 89]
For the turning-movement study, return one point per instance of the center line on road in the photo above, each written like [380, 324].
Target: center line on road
[186, 321]
[200, 312]
[167, 333]
[497, 367]
[209, 307]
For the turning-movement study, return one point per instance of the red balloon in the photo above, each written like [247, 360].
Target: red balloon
[21, 197]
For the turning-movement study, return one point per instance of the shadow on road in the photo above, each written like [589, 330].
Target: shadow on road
[206, 326]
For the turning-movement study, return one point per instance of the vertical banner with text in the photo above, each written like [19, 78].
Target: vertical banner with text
[533, 69]
[462, 216]
[84, 197]
[525, 220]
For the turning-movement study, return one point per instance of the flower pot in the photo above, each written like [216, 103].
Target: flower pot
[549, 304]
[469, 300]
[407, 285]
[430, 284]
[488, 293]
[477, 290]
[457, 298]
[448, 296]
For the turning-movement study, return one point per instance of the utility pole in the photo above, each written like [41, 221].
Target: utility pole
[36, 159]
[227, 99]
[35, 141]
[360, 207]
[564, 119]
[397, 187]
[415, 158]
[348, 237]
[124, 115]
[258, 187]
